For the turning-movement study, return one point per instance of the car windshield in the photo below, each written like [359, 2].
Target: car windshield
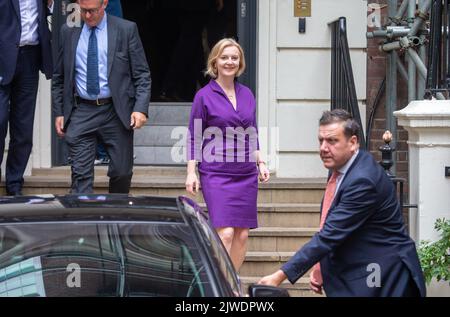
[100, 259]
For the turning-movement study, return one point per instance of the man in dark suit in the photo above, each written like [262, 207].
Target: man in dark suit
[25, 49]
[101, 90]
[363, 247]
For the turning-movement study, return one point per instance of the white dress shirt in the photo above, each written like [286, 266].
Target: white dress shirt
[29, 22]
[81, 60]
[344, 169]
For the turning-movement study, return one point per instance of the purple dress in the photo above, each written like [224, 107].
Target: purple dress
[223, 140]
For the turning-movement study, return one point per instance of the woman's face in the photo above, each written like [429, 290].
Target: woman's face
[228, 62]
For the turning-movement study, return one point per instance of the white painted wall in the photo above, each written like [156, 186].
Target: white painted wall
[41, 153]
[294, 84]
[44, 127]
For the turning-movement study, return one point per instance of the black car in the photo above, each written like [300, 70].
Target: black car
[113, 245]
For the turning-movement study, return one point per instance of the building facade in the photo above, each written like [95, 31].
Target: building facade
[292, 80]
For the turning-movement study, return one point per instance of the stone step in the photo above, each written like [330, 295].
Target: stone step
[287, 215]
[279, 190]
[101, 170]
[162, 114]
[160, 136]
[299, 289]
[279, 239]
[160, 155]
[263, 263]
[150, 186]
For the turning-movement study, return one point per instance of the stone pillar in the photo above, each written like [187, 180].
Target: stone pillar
[428, 125]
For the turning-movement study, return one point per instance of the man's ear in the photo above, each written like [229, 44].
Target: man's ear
[354, 143]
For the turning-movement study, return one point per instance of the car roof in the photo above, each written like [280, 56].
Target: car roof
[91, 207]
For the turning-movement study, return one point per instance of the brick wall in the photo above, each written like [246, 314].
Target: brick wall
[376, 71]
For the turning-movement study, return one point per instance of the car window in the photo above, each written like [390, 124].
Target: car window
[225, 266]
[100, 259]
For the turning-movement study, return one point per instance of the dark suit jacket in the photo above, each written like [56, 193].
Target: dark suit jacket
[364, 225]
[128, 71]
[11, 29]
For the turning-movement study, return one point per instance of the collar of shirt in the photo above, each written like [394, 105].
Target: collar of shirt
[343, 170]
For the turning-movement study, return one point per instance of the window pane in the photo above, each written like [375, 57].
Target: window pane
[89, 259]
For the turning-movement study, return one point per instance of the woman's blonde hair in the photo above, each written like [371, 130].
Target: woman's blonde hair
[211, 65]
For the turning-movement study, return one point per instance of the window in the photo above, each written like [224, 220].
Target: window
[114, 259]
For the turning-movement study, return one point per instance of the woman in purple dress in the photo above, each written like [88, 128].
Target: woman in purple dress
[224, 141]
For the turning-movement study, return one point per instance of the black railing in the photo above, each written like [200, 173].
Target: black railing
[387, 162]
[438, 75]
[343, 91]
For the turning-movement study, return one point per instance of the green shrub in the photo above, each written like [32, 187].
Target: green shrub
[435, 256]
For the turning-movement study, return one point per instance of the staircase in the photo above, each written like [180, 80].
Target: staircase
[288, 212]
[163, 134]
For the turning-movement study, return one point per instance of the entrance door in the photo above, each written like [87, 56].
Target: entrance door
[177, 36]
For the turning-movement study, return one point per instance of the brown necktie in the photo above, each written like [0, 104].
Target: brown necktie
[328, 197]
[316, 274]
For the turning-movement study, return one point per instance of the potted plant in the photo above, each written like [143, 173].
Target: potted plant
[435, 256]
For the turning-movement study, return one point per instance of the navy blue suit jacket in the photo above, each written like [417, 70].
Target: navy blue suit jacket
[11, 28]
[364, 231]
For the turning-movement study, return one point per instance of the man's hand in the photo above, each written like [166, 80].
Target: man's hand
[315, 280]
[138, 119]
[274, 279]
[315, 286]
[59, 125]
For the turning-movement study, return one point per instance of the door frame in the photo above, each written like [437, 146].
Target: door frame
[247, 30]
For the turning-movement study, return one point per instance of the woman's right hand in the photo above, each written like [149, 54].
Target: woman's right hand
[192, 183]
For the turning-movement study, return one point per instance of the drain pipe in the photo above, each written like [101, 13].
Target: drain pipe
[421, 81]
[391, 85]
[422, 16]
[411, 67]
[402, 69]
[417, 61]
[401, 11]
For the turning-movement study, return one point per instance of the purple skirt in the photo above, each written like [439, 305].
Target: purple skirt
[231, 198]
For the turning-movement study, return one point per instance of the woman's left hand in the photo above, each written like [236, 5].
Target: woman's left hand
[264, 174]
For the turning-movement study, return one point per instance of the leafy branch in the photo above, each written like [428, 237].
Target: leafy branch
[435, 256]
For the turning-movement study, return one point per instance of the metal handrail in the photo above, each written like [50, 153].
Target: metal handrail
[343, 91]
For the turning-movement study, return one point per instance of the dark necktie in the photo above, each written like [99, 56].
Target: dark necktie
[92, 82]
